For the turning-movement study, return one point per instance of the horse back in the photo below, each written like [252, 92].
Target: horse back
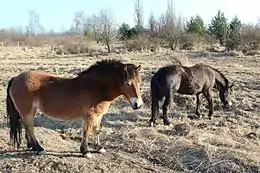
[166, 79]
[32, 81]
[196, 78]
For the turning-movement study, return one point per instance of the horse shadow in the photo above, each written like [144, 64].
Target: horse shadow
[110, 120]
[119, 120]
[201, 54]
[114, 120]
[54, 124]
[24, 154]
[3, 125]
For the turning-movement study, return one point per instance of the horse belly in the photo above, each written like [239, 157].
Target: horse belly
[56, 111]
[186, 91]
[61, 115]
[189, 88]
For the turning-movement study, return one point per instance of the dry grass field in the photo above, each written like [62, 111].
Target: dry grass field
[228, 143]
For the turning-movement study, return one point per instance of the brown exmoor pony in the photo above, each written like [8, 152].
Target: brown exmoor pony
[87, 95]
[194, 80]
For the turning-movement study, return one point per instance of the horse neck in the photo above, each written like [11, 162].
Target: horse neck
[220, 79]
[105, 87]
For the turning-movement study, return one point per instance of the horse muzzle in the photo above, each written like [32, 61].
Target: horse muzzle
[136, 103]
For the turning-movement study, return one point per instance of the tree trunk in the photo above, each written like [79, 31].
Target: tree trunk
[173, 45]
[108, 47]
[96, 38]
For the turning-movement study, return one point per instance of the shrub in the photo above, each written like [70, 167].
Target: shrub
[250, 37]
[73, 49]
[209, 39]
[189, 41]
[142, 43]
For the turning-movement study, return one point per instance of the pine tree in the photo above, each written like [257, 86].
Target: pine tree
[219, 27]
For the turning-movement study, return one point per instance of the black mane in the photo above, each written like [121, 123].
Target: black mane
[222, 75]
[103, 66]
[109, 66]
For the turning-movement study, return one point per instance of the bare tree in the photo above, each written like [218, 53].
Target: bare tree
[108, 28]
[79, 22]
[93, 24]
[152, 23]
[139, 15]
[171, 26]
[34, 26]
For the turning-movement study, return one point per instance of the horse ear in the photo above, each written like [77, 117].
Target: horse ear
[138, 67]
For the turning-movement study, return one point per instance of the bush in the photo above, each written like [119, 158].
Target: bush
[189, 41]
[209, 39]
[73, 49]
[250, 38]
[142, 43]
[233, 42]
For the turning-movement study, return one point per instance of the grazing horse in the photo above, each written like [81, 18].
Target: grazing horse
[88, 95]
[194, 80]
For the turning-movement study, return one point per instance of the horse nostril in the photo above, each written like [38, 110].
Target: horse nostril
[136, 105]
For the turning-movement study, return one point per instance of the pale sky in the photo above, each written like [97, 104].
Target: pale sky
[58, 14]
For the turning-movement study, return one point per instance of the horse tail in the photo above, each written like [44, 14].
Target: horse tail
[13, 118]
[156, 95]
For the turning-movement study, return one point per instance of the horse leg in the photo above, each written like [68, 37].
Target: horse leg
[30, 136]
[29, 143]
[97, 131]
[99, 146]
[198, 102]
[155, 110]
[87, 128]
[167, 102]
[208, 96]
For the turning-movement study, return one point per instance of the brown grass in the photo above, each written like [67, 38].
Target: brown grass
[219, 145]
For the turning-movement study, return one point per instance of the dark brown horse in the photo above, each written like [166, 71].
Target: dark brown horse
[194, 80]
[88, 95]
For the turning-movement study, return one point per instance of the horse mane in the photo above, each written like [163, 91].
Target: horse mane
[221, 75]
[111, 66]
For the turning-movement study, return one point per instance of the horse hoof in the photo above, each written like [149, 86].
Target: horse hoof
[29, 149]
[211, 118]
[43, 152]
[102, 150]
[167, 123]
[199, 116]
[190, 117]
[152, 124]
[88, 155]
